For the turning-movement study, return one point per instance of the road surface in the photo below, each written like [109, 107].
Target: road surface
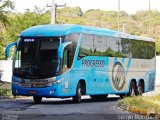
[59, 109]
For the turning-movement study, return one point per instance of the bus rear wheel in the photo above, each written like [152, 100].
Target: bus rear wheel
[122, 96]
[77, 97]
[132, 89]
[140, 89]
[37, 100]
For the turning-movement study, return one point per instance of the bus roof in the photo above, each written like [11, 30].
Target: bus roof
[64, 29]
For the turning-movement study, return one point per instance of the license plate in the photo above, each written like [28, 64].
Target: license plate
[32, 92]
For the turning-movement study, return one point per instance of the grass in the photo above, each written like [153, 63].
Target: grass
[142, 102]
[8, 94]
[4, 92]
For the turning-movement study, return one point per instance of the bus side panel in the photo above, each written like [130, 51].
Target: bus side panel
[137, 69]
[66, 85]
[144, 69]
[116, 74]
[93, 70]
[119, 75]
[76, 76]
[151, 75]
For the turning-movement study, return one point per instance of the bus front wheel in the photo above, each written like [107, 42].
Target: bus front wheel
[77, 97]
[37, 100]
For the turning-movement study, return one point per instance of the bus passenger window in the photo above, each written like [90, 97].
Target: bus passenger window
[66, 60]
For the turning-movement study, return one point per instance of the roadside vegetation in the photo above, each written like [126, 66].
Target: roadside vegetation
[149, 103]
[5, 92]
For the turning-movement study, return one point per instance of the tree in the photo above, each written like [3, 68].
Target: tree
[5, 6]
[158, 46]
[69, 15]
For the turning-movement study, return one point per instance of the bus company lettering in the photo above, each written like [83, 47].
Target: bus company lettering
[93, 63]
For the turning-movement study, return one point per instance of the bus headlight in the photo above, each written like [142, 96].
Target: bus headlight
[55, 82]
[49, 84]
[58, 81]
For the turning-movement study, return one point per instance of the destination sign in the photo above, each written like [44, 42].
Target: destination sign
[29, 40]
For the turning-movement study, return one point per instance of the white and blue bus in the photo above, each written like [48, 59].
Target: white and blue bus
[61, 61]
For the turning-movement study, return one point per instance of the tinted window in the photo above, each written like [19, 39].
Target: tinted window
[72, 37]
[126, 47]
[36, 57]
[151, 49]
[142, 49]
[99, 47]
[87, 46]
[72, 48]
[96, 45]
[113, 47]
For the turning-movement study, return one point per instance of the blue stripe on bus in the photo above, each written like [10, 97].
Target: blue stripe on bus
[123, 59]
[128, 65]
[115, 59]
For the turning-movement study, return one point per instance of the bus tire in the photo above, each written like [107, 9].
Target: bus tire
[132, 89]
[140, 89]
[37, 100]
[77, 97]
[122, 96]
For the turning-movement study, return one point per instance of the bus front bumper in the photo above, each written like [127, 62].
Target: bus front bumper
[52, 91]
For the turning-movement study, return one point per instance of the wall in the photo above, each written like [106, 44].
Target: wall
[6, 68]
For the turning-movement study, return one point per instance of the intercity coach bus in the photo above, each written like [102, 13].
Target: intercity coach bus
[62, 61]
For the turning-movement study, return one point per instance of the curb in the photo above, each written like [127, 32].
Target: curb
[135, 109]
[5, 97]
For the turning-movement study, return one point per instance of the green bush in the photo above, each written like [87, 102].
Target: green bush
[4, 92]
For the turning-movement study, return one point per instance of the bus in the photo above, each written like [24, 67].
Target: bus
[66, 60]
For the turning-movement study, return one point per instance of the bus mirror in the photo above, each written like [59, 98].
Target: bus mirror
[61, 49]
[8, 49]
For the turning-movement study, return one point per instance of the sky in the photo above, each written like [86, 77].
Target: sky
[130, 6]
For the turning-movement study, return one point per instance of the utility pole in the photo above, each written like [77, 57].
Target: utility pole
[118, 15]
[149, 25]
[53, 11]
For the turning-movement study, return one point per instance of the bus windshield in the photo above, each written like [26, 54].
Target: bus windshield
[36, 57]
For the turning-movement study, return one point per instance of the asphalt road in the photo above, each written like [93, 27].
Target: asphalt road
[59, 109]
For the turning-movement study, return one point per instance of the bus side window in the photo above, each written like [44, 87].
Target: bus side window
[66, 60]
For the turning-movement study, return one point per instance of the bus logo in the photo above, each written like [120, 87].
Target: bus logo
[118, 76]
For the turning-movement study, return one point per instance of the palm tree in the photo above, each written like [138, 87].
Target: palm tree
[5, 7]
